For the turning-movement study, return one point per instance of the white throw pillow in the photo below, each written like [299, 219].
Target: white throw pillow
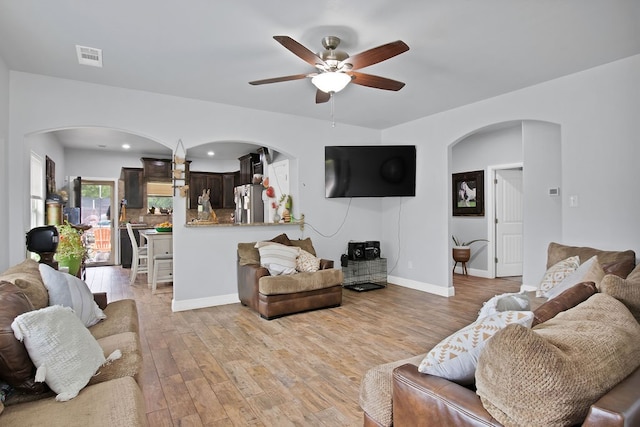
[589, 271]
[277, 258]
[63, 350]
[306, 262]
[556, 274]
[517, 301]
[456, 357]
[69, 291]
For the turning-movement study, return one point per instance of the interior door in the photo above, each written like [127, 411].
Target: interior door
[509, 220]
[99, 212]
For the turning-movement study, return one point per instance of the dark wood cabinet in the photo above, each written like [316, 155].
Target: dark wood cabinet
[248, 165]
[133, 187]
[228, 184]
[159, 170]
[220, 184]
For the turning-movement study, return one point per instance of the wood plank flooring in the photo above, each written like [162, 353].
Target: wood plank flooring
[225, 366]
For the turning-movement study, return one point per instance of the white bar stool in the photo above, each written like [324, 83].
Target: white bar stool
[162, 270]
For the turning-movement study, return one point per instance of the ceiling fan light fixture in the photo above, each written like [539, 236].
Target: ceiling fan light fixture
[331, 81]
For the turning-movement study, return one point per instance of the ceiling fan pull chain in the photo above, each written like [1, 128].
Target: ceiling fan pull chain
[333, 120]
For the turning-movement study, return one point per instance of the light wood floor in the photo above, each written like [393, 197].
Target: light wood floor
[225, 366]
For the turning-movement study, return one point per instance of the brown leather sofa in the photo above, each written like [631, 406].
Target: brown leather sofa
[276, 296]
[425, 400]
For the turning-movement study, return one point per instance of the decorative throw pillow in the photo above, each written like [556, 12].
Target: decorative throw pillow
[63, 350]
[304, 244]
[16, 368]
[551, 374]
[69, 291]
[518, 301]
[566, 300]
[248, 254]
[307, 262]
[589, 271]
[556, 273]
[626, 291]
[278, 259]
[26, 276]
[455, 357]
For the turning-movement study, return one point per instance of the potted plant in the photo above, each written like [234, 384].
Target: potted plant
[71, 251]
[462, 250]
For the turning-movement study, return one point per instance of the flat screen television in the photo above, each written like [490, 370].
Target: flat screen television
[370, 171]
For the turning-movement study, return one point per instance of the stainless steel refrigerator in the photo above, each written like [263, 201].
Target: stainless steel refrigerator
[249, 204]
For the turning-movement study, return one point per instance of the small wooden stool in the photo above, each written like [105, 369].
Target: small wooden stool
[160, 261]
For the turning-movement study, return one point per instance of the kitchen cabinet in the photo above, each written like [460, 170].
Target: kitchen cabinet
[228, 184]
[158, 170]
[220, 184]
[133, 187]
[248, 165]
[199, 181]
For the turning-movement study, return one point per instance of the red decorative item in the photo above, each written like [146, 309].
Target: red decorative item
[271, 192]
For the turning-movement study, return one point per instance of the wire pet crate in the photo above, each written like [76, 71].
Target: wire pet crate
[365, 275]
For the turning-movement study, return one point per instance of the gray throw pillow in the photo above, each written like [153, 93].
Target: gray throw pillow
[517, 302]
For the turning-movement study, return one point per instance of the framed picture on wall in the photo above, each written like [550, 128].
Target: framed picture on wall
[468, 193]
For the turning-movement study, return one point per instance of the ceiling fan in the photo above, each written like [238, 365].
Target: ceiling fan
[336, 69]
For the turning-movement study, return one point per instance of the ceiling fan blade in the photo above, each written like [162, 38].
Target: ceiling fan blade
[375, 55]
[376, 82]
[279, 79]
[300, 51]
[322, 97]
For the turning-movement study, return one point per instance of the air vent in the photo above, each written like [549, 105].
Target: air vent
[89, 56]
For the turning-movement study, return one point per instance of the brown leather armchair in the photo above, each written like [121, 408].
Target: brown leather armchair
[275, 296]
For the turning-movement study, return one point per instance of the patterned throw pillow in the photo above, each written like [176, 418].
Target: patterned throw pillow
[307, 262]
[589, 271]
[556, 274]
[278, 259]
[455, 358]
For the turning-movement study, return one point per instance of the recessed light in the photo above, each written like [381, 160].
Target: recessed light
[210, 153]
[126, 146]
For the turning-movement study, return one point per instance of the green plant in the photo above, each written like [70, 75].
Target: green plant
[69, 242]
[457, 241]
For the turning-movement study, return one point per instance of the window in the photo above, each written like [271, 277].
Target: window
[37, 191]
[160, 195]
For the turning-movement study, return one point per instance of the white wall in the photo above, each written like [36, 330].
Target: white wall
[597, 111]
[4, 172]
[103, 165]
[542, 145]
[42, 103]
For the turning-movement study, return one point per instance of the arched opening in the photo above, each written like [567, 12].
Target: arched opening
[532, 147]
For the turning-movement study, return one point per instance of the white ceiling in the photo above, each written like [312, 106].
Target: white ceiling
[461, 51]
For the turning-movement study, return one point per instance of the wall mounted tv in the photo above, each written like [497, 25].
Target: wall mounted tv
[370, 171]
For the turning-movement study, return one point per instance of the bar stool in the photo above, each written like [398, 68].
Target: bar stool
[162, 263]
[139, 261]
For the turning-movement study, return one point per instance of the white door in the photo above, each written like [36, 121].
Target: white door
[508, 222]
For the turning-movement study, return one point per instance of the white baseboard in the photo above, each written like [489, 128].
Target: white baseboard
[528, 288]
[475, 272]
[192, 304]
[420, 286]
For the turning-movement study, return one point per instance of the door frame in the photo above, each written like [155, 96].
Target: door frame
[115, 241]
[490, 212]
